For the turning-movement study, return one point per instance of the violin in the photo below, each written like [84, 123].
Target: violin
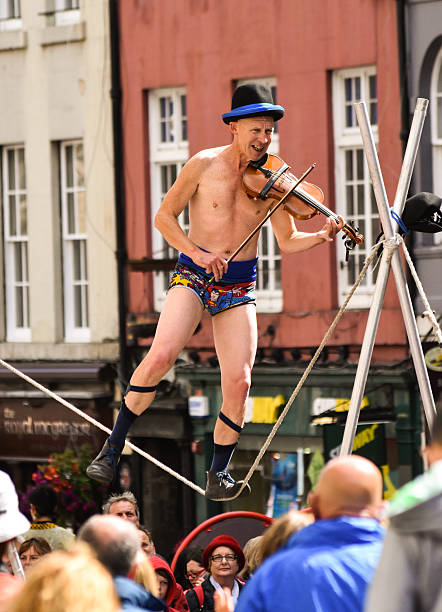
[269, 177]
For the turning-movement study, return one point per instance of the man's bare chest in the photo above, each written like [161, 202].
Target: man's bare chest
[224, 197]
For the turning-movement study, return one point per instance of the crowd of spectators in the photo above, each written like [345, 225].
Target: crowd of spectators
[349, 551]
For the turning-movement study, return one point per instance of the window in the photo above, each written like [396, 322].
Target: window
[436, 129]
[74, 236]
[354, 194]
[169, 151]
[15, 225]
[268, 282]
[10, 15]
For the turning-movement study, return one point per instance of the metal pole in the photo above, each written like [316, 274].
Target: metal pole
[410, 154]
[399, 276]
[365, 357]
[405, 301]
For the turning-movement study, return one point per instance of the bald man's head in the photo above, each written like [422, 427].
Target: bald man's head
[347, 486]
[115, 542]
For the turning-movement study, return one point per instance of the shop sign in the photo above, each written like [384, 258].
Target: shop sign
[38, 427]
[369, 441]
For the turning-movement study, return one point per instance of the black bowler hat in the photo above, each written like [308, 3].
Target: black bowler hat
[253, 100]
[422, 213]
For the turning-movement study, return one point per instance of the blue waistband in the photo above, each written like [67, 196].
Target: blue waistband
[238, 271]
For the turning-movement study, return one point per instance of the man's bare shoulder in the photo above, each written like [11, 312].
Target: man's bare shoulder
[205, 157]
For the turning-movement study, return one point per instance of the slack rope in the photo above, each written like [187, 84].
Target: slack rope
[85, 416]
[390, 245]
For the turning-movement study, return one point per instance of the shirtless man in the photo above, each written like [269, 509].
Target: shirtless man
[221, 216]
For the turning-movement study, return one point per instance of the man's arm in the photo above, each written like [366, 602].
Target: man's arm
[166, 219]
[290, 240]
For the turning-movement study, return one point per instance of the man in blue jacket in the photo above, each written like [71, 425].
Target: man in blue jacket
[327, 565]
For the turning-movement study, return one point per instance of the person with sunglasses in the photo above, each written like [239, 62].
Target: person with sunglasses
[223, 558]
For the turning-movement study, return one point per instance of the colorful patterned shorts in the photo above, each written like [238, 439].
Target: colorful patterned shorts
[217, 296]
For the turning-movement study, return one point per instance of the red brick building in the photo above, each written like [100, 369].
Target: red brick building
[205, 48]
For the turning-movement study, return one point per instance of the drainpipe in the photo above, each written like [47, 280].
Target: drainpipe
[401, 6]
[120, 209]
[403, 73]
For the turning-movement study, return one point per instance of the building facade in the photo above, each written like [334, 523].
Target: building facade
[58, 270]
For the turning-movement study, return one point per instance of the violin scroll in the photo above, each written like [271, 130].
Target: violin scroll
[352, 233]
[351, 238]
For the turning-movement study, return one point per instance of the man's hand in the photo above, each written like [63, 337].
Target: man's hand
[330, 229]
[212, 263]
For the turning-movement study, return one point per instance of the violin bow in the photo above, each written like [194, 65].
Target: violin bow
[266, 218]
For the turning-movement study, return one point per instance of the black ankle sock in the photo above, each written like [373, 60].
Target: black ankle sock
[222, 453]
[122, 425]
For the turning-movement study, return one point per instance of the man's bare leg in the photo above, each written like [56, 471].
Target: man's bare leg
[180, 315]
[235, 333]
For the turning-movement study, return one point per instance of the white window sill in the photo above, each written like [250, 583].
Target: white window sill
[55, 35]
[13, 39]
[14, 23]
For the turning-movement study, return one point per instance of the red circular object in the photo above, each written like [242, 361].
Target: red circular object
[207, 526]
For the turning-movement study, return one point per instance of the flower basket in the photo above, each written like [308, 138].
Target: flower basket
[78, 496]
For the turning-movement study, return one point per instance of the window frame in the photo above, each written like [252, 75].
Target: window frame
[436, 96]
[346, 139]
[14, 332]
[164, 154]
[71, 241]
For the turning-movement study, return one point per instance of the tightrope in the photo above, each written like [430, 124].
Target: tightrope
[85, 416]
[164, 467]
[390, 245]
